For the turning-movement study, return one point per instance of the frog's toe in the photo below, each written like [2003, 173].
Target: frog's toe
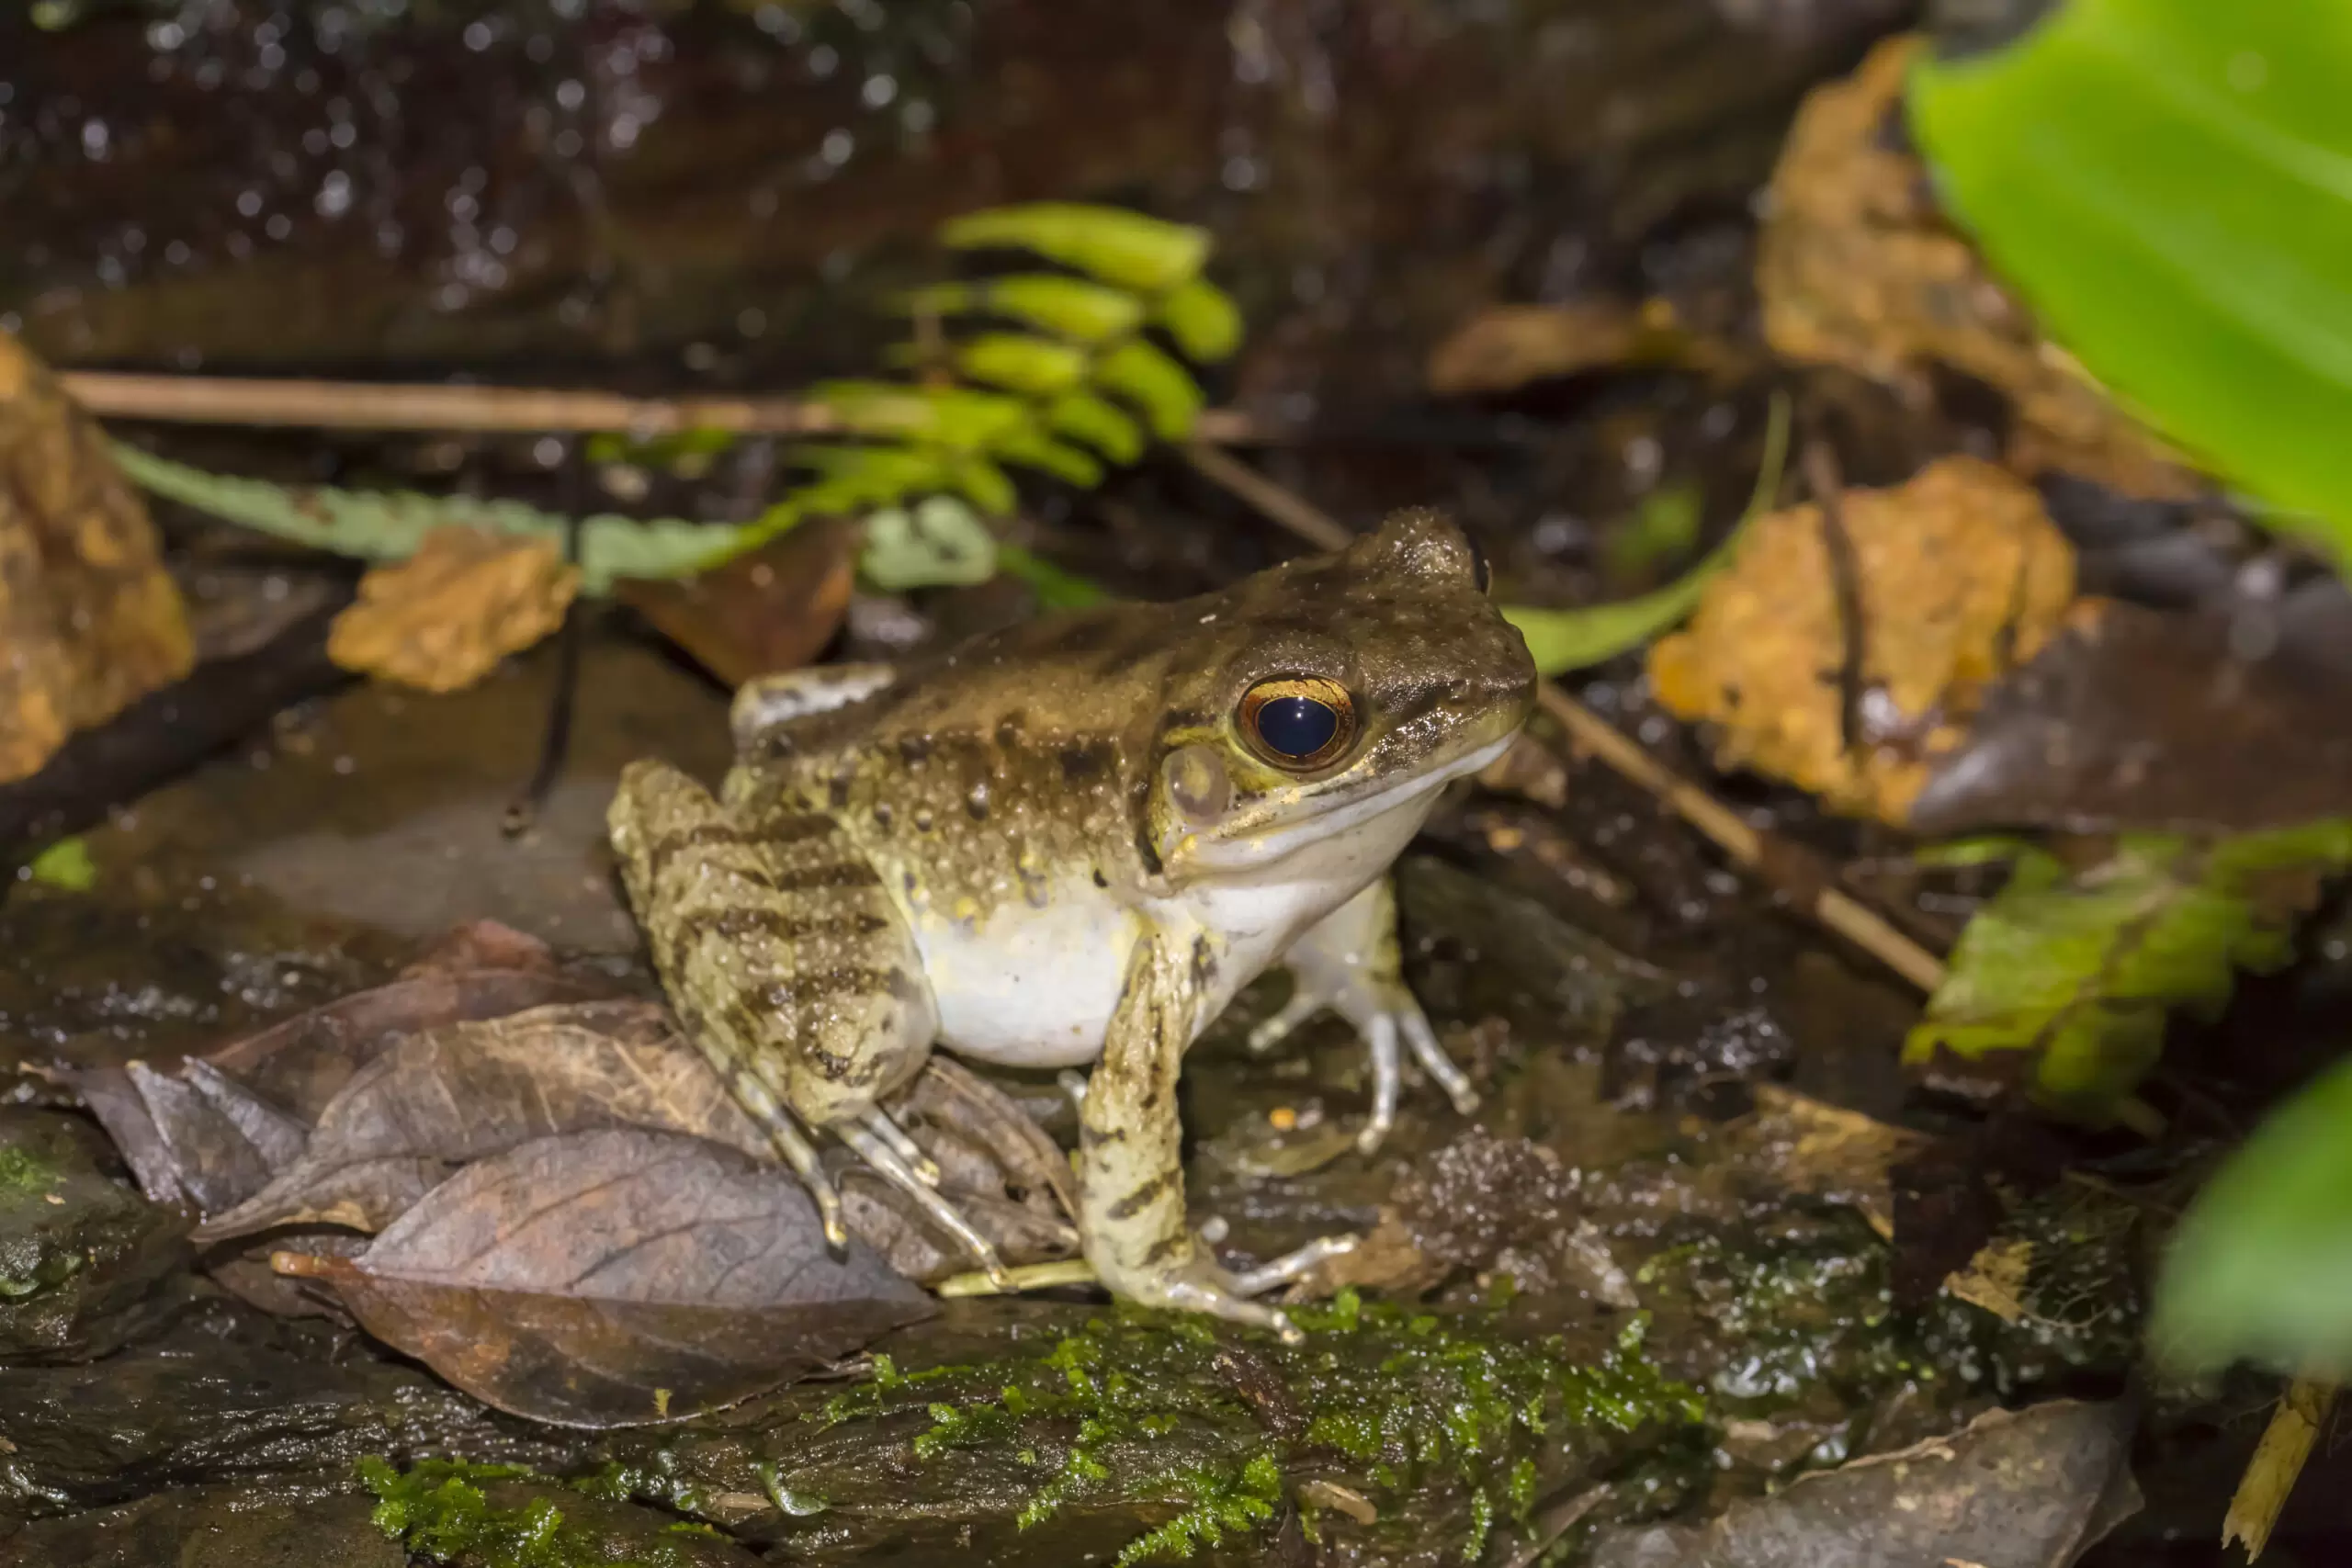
[886, 1160]
[1294, 1265]
[1218, 1298]
[1436, 1062]
[878, 1123]
[1305, 1002]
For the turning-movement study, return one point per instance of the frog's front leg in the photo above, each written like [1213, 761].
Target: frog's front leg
[1131, 1179]
[1349, 963]
[791, 971]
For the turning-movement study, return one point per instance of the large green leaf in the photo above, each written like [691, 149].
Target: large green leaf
[2168, 183]
[2261, 1267]
[2064, 979]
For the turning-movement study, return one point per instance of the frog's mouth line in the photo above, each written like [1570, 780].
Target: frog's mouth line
[1202, 854]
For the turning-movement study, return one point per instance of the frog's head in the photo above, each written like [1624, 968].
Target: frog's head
[1329, 698]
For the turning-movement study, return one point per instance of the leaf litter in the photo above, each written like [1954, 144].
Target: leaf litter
[618, 1276]
[572, 1219]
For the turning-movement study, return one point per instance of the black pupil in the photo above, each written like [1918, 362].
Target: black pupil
[1478, 572]
[1296, 727]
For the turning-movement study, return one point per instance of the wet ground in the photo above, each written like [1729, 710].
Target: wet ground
[660, 198]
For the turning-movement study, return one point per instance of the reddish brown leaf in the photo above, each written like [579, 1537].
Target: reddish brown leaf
[443, 1097]
[618, 1277]
[773, 610]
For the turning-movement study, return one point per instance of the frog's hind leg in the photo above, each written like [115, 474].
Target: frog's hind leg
[791, 970]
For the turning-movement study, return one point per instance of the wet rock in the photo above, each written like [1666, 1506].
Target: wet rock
[383, 814]
[81, 1253]
[229, 1397]
[224, 1527]
[2029, 1489]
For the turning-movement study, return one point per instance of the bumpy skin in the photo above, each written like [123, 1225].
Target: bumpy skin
[1055, 844]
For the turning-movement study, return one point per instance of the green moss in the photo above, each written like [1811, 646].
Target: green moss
[1416, 1399]
[1231, 1502]
[439, 1511]
[21, 1170]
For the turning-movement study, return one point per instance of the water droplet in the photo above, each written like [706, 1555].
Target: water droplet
[477, 36]
[839, 145]
[335, 195]
[249, 204]
[571, 94]
[879, 91]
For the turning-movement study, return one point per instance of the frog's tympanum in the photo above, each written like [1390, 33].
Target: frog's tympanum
[1073, 841]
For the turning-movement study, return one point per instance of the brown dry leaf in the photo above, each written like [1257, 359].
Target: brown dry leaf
[618, 1277]
[1997, 1278]
[443, 1097]
[293, 1070]
[1959, 575]
[1505, 347]
[1856, 267]
[762, 613]
[442, 619]
[89, 619]
[1825, 1151]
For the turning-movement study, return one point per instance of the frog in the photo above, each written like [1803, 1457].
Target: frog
[1069, 843]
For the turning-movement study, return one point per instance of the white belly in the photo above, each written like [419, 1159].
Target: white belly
[1030, 988]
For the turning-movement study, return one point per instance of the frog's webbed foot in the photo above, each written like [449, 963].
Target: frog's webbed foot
[769, 1116]
[1349, 964]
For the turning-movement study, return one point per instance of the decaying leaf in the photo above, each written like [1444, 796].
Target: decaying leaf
[291, 1072]
[1825, 1151]
[618, 1277]
[1995, 1277]
[441, 1096]
[1958, 574]
[1505, 347]
[1856, 267]
[442, 619]
[2033, 1488]
[2134, 718]
[2063, 980]
[767, 611]
[89, 619]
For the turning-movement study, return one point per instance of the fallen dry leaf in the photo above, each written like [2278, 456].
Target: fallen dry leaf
[296, 1068]
[89, 619]
[1505, 347]
[1826, 1151]
[1959, 575]
[1856, 267]
[2137, 719]
[442, 1096]
[618, 1277]
[762, 613]
[1995, 1278]
[442, 619]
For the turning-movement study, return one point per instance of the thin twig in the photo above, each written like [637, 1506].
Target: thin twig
[1279, 504]
[555, 744]
[1790, 867]
[386, 406]
[1820, 462]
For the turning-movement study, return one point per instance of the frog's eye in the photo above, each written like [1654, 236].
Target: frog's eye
[1299, 721]
[1479, 572]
